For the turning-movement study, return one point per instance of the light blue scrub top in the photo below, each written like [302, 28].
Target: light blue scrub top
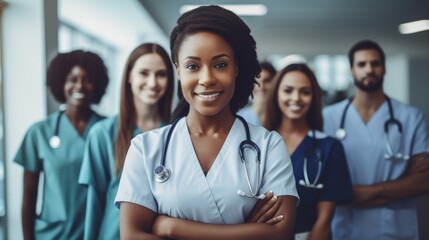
[365, 147]
[63, 206]
[250, 115]
[334, 176]
[188, 193]
[99, 176]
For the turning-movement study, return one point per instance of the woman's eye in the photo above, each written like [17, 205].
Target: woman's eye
[87, 80]
[144, 73]
[71, 79]
[221, 65]
[161, 74]
[192, 66]
[306, 93]
[288, 90]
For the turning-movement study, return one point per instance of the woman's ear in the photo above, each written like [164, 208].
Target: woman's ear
[177, 70]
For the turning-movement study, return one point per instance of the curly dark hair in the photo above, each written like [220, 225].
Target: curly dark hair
[229, 26]
[63, 63]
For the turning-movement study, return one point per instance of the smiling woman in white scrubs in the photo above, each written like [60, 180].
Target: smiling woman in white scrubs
[216, 62]
[54, 147]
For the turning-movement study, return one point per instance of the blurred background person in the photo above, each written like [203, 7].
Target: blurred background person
[255, 112]
[54, 147]
[146, 98]
[386, 142]
[294, 109]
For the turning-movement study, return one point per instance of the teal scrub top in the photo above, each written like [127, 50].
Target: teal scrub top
[98, 174]
[64, 199]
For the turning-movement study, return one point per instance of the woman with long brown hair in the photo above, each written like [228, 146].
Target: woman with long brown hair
[146, 97]
[322, 179]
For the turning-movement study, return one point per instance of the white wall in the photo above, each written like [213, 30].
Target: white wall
[397, 78]
[24, 92]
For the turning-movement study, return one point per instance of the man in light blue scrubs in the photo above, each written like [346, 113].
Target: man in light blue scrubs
[385, 174]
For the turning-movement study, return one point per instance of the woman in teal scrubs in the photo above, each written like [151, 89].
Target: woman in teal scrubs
[319, 165]
[146, 96]
[54, 147]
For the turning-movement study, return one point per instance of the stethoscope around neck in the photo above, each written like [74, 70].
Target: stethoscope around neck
[391, 155]
[318, 153]
[55, 141]
[162, 173]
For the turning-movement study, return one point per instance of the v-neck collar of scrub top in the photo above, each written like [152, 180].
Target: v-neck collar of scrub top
[69, 125]
[375, 118]
[221, 156]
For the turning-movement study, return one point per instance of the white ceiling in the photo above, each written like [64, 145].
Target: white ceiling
[312, 27]
[123, 24]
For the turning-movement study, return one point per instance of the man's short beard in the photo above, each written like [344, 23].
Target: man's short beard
[369, 88]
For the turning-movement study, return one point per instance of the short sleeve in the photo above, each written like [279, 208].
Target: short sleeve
[278, 175]
[95, 170]
[28, 154]
[134, 185]
[421, 136]
[336, 177]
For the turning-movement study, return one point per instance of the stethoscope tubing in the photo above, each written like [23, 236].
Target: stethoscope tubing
[341, 133]
[55, 141]
[162, 173]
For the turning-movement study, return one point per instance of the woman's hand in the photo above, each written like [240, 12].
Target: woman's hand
[162, 226]
[264, 210]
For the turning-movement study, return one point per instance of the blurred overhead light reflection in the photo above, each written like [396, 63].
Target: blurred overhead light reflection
[239, 9]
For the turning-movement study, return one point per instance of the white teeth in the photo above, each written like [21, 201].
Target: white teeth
[295, 107]
[78, 95]
[207, 96]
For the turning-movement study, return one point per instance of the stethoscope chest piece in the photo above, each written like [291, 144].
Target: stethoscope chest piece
[161, 173]
[340, 134]
[55, 142]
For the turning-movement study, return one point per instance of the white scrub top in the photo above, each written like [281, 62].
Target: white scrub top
[365, 148]
[188, 193]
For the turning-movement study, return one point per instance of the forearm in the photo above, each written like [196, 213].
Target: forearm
[320, 231]
[176, 228]
[408, 186]
[28, 219]
[31, 181]
[322, 226]
[196, 230]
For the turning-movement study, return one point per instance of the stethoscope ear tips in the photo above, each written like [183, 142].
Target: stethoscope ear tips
[161, 173]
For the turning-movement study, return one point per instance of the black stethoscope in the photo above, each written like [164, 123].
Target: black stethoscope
[162, 173]
[55, 141]
[341, 132]
[318, 153]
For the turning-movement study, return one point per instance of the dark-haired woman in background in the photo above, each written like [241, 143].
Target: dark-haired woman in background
[255, 113]
[319, 164]
[146, 95]
[54, 147]
[208, 193]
